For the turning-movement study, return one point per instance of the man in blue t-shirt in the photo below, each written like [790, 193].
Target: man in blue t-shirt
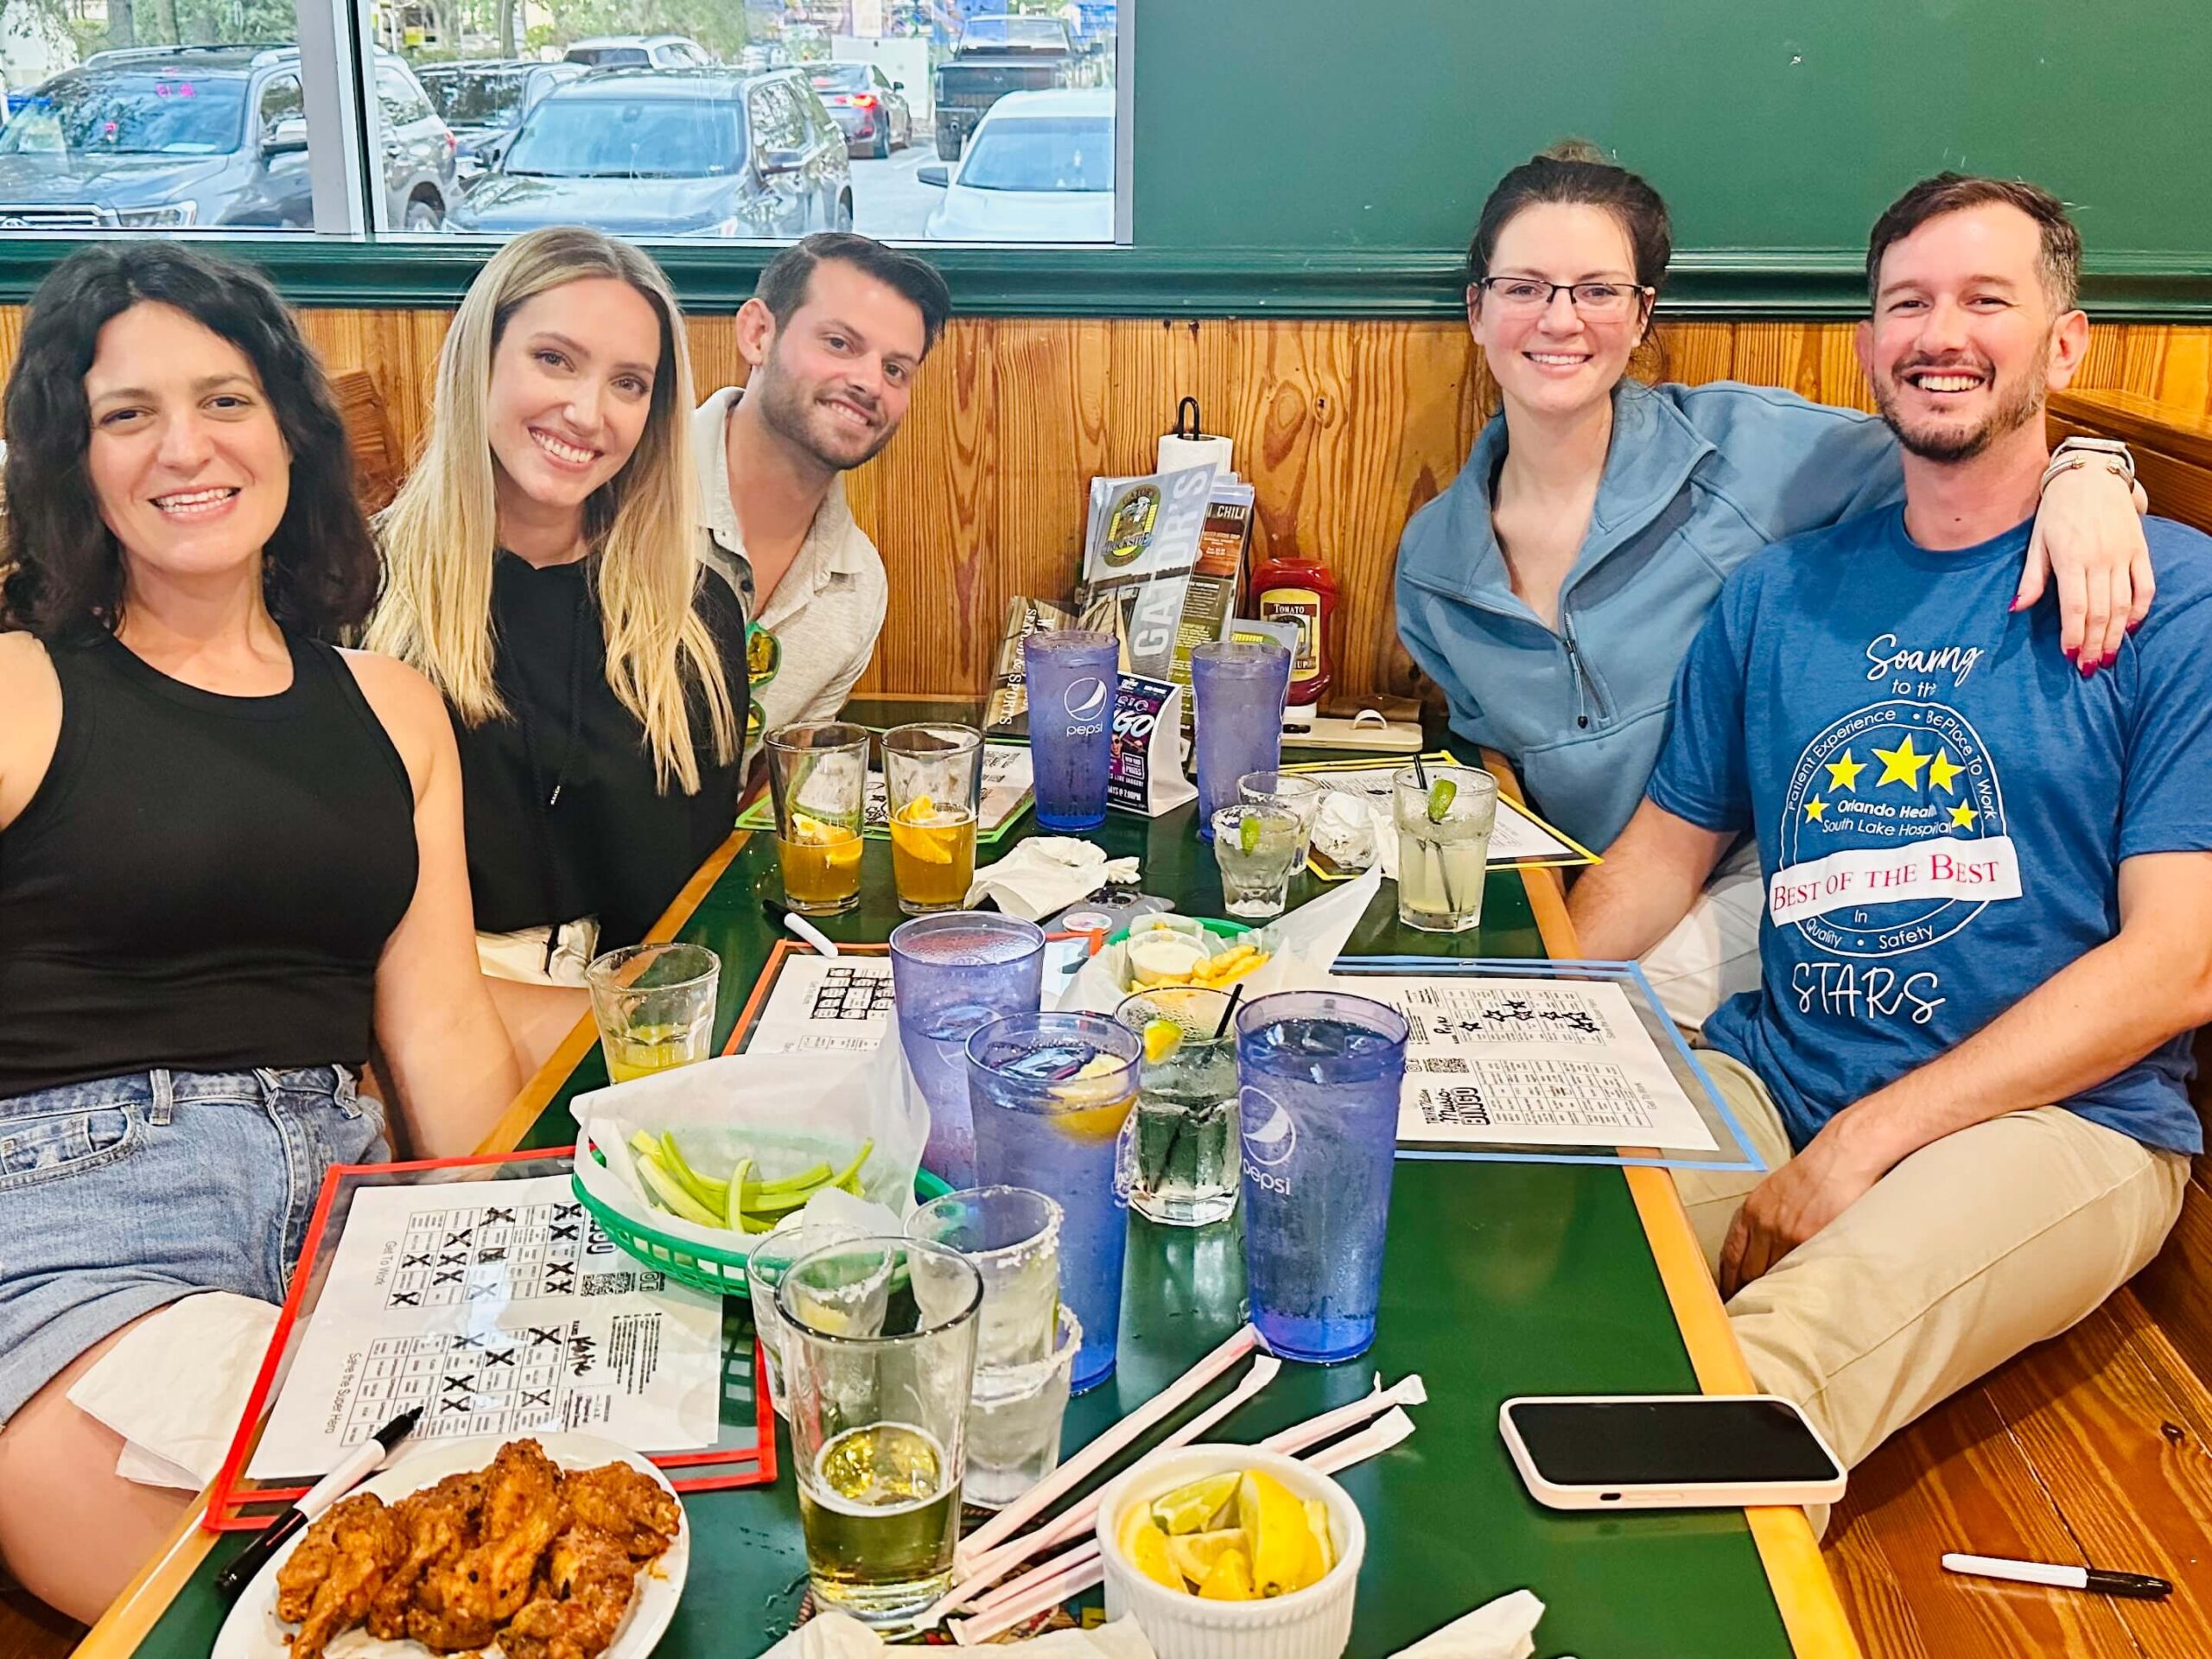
[1988, 931]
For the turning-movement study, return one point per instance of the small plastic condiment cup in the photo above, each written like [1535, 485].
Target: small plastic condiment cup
[1314, 1623]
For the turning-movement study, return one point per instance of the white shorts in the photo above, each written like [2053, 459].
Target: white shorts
[520, 956]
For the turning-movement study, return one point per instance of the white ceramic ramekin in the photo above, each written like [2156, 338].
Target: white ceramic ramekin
[1314, 1623]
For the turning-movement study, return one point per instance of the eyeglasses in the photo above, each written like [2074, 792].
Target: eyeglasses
[763, 655]
[1528, 296]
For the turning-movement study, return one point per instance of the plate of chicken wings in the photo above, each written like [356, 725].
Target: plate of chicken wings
[563, 1547]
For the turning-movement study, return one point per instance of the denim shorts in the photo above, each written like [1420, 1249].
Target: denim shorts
[120, 1196]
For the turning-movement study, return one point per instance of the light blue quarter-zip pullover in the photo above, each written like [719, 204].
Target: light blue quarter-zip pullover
[1697, 479]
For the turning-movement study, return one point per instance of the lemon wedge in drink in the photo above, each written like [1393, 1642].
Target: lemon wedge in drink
[1161, 1038]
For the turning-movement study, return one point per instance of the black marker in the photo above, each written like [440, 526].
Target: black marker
[352, 1469]
[2137, 1586]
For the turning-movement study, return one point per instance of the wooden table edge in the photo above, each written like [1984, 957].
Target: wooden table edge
[147, 1597]
[1811, 1610]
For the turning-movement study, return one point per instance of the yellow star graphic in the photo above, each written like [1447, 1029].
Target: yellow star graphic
[1816, 809]
[1941, 770]
[1901, 765]
[1844, 773]
[1963, 816]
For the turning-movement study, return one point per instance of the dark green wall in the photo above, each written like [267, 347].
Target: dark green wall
[1780, 126]
[1328, 157]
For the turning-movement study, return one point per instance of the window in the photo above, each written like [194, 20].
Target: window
[483, 97]
[580, 136]
[1041, 153]
[403, 101]
[870, 107]
[777, 122]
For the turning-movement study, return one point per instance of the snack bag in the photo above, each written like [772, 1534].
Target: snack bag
[787, 1113]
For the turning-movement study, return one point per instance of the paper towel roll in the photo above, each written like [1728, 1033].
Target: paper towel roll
[1177, 453]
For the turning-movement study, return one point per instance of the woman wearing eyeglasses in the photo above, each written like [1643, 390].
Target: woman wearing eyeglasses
[1552, 590]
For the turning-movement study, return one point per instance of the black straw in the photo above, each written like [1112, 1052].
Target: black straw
[1420, 772]
[1235, 993]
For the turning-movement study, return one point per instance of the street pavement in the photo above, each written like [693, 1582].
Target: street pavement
[888, 202]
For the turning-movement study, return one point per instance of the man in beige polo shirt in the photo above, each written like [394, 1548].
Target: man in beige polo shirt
[834, 333]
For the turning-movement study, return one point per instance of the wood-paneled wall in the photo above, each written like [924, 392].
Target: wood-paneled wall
[1345, 427]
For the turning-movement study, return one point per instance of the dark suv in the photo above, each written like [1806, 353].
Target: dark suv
[671, 152]
[483, 100]
[160, 137]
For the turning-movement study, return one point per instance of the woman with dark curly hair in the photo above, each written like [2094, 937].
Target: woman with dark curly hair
[230, 862]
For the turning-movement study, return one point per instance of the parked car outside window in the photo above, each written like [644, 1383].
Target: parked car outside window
[483, 100]
[684, 152]
[1039, 168]
[869, 108]
[164, 137]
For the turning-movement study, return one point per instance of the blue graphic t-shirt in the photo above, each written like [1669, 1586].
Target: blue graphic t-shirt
[1941, 801]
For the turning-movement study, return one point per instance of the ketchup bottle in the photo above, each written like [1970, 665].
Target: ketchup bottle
[1303, 592]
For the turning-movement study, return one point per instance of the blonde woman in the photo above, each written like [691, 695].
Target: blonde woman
[541, 570]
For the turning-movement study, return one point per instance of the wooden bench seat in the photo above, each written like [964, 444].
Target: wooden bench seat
[2172, 448]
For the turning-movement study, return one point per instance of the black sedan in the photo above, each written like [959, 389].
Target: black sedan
[869, 108]
[684, 152]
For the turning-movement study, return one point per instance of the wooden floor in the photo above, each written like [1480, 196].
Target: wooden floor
[2093, 1450]
[28, 1630]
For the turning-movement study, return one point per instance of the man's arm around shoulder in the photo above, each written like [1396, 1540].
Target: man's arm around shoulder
[1651, 875]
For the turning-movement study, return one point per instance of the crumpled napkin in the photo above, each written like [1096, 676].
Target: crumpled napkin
[837, 1635]
[176, 1385]
[1354, 836]
[1047, 872]
[1504, 1628]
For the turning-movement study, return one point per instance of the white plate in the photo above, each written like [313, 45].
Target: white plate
[254, 1631]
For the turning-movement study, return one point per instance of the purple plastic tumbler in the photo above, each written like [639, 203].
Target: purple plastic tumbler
[949, 973]
[1238, 687]
[1070, 676]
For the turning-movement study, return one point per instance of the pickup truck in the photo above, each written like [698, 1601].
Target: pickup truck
[997, 55]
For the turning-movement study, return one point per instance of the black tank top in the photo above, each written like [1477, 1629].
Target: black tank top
[565, 814]
[200, 882]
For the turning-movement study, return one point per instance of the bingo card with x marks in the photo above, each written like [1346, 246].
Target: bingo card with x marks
[498, 1308]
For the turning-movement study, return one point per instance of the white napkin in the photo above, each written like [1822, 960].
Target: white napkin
[176, 1385]
[1047, 872]
[835, 1635]
[1504, 1628]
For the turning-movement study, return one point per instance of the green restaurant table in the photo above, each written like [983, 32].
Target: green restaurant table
[1501, 1279]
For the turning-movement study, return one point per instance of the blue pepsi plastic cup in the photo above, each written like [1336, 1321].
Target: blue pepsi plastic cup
[1319, 1077]
[1042, 1123]
[1071, 677]
[1237, 688]
[950, 974]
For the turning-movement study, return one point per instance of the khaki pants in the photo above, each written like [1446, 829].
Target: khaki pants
[1972, 1248]
[1714, 952]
